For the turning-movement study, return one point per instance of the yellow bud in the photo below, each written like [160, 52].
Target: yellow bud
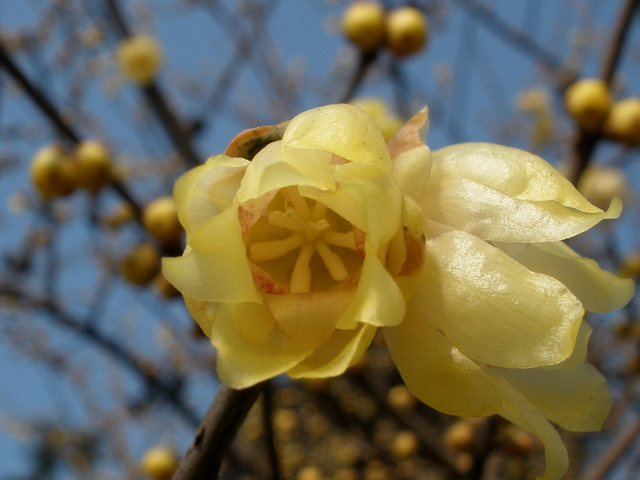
[407, 30]
[363, 24]
[588, 101]
[122, 213]
[159, 463]
[462, 434]
[630, 267]
[160, 219]
[405, 444]
[400, 397]
[623, 123]
[600, 184]
[52, 172]
[93, 165]
[141, 264]
[139, 58]
[310, 473]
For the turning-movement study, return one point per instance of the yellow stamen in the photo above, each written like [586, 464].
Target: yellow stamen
[263, 251]
[301, 276]
[331, 260]
[339, 239]
[282, 220]
[292, 195]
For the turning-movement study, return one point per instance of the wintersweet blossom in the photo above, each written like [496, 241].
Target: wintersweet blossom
[306, 238]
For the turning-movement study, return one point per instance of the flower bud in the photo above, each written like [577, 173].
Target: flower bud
[407, 30]
[139, 58]
[405, 444]
[623, 123]
[141, 264]
[363, 24]
[159, 463]
[160, 219]
[164, 287]
[93, 165]
[600, 184]
[52, 172]
[588, 101]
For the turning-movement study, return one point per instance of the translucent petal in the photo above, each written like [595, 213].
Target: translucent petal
[504, 194]
[271, 170]
[367, 197]
[309, 318]
[205, 191]
[340, 351]
[344, 130]
[436, 372]
[490, 307]
[576, 398]
[598, 290]
[242, 362]
[410, 157]
[204, 313]
[215, 269]
[517, 409]
[378, 300]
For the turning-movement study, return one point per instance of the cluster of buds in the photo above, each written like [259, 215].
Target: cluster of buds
[55, 172]
[590, 104]
[403, 30]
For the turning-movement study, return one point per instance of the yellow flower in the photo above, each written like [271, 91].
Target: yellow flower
[139, 58]
[295, 258]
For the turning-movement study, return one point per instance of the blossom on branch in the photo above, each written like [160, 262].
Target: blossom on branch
[297, 254]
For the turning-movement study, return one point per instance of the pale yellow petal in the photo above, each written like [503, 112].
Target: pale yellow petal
[576, 398]
[241, 361]
[271, 170]
[378, 300]
[367, 197]
[339, 352]
[492, 308]
[205, 191]
[436, 372]
[504, 194]
[309, 318]
[204, 313]
[215, 267]
[517, 409]
[598, 290]
[410, 157]
[344, 130]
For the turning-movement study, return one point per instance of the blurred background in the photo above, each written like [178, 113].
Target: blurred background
[100, 362]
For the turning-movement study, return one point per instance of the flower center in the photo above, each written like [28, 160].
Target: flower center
[302, 231]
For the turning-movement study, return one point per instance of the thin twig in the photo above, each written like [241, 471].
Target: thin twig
[216, 432]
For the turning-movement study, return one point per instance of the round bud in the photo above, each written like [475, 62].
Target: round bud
[407, 30]
[160, 219]
[600, 184]
[462, 435]
[141, 264]
[139, 58]
[52, 172]
[405, 444]
[588, 101]
[363, 24]
[160, 463]
[93, 165]
[400, 397]
[623, 123]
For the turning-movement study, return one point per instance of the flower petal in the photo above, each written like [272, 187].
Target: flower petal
[344, 130]
[245, 359]
[410, 157]
[340, 351]
[309, 318]
[598, 290]
[272, 169]
[215, 268]
[504, 194]
[490, 307]
[517, 409]
[206, 190]
[435, 371]
[576, 398]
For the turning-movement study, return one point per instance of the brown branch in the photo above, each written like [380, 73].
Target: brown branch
[216, 432]
[586, 143]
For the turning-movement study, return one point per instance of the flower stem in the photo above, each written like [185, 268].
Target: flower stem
[216, 432]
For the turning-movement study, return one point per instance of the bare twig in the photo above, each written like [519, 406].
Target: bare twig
[217, 430]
